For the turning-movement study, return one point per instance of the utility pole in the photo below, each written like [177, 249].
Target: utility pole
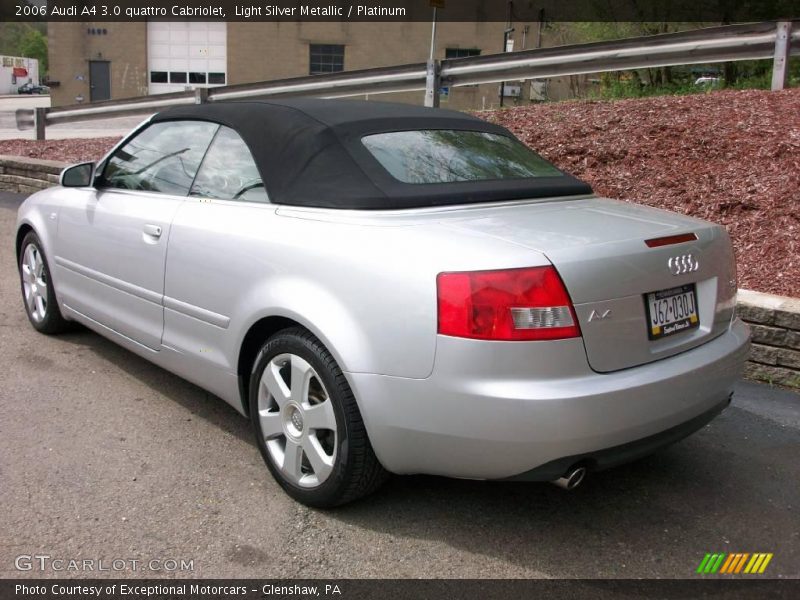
[433, 35]
[432, 67]
[539, 27]
[508, 30]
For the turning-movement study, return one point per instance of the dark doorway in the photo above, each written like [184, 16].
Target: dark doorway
[99, 80]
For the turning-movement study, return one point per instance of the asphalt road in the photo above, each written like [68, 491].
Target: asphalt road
[104, 456]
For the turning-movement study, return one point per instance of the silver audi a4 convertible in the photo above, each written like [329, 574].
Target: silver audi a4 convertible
[383, 288]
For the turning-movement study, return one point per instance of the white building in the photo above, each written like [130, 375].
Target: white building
[16, 70]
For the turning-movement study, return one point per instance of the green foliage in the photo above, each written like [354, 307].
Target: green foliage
[631, 88]
[583, 32]
[10, 36]
[25, 39]
[750, 74]
[34, 45]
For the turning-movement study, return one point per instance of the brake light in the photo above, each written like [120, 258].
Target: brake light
[512, 304]
[670, 239]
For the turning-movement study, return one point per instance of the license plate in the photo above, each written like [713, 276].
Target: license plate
[671, 311]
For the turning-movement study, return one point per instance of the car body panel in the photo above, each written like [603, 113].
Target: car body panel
[39, 212]
[220, 382]
[365, 286]
[110, 262]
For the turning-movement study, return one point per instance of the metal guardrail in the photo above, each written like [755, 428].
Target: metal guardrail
[403, 78]
[771, 39]
[716, 44]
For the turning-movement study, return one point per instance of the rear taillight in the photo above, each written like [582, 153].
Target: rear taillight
[512, 304]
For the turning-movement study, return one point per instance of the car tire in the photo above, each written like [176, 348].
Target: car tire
[38, 294]
[310, 434]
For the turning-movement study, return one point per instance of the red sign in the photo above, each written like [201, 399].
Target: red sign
[20, 72]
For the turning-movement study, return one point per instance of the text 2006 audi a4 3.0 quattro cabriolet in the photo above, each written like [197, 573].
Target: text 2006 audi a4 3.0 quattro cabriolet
[388, 288]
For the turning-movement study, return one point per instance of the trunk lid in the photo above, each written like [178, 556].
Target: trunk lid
[598, 247]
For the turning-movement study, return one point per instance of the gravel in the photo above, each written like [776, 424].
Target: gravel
[732, 157]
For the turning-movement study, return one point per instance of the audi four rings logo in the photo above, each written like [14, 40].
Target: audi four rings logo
[686, 263]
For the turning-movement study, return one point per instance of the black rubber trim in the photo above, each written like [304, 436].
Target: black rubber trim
[624, 453]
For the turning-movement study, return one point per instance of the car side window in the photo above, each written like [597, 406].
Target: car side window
[162, 158]
[229, 171]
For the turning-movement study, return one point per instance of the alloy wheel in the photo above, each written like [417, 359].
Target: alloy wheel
[34, 282]
[297, 420]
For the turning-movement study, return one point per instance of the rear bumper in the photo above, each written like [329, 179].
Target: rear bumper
[624, 453]
[498, 410]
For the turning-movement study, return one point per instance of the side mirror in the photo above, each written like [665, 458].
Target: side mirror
[81, 175]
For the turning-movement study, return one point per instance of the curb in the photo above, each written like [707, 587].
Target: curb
[775, 324]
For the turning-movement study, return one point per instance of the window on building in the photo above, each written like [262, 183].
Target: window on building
[461, 52]
[177, 77]
[197, 77]
[158, 77]
[216, 78]
[325, 58]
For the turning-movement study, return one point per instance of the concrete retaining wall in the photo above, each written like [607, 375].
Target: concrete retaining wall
[775, 320]
[28, 175]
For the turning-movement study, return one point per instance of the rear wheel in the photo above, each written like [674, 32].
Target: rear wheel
[307, 423]
[38, 294]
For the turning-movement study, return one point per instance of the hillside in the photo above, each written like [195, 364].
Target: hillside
[729, 156]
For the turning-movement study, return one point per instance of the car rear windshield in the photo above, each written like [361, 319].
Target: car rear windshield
[448, 155]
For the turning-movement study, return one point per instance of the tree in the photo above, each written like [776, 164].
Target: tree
[34, 45]
[10, 36]
[25, 39]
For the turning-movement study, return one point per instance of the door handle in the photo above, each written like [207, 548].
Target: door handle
[153, 230]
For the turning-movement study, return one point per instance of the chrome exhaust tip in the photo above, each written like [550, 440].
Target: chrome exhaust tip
[572, 479]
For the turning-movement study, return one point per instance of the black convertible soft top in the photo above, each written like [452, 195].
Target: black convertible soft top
[309, 153]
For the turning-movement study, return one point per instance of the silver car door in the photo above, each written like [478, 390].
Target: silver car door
[214, 248]
[112, 241]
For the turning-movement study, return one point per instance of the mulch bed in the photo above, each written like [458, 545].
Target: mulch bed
[71, 151]
[732, 157]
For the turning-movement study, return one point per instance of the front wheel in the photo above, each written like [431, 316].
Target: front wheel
[38, 293]
[307, 423]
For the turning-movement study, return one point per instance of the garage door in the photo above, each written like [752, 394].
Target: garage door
[183, 54]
